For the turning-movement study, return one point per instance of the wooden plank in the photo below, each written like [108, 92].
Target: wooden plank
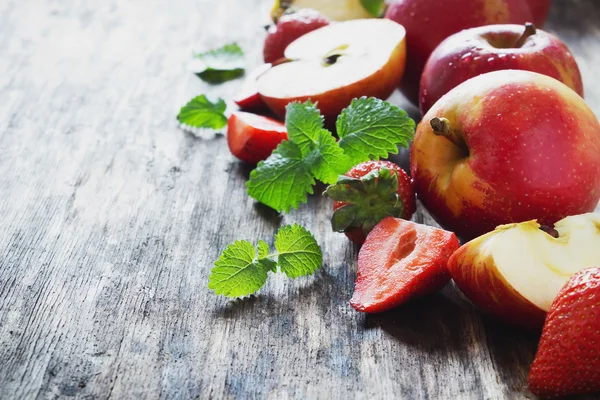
[112, 218]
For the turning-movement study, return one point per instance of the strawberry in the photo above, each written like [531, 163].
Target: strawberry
[368, 193]
[289, 28]
[252, 137]
[400, 260]
[568, 357]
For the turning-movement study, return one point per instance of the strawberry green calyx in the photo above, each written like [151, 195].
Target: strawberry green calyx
[367, 200]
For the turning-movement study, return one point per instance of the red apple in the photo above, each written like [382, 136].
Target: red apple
[539, 10]
[428, 22]
[337, 63]
[290, 27]
[507, 146]
[489, 48]
[516, 271]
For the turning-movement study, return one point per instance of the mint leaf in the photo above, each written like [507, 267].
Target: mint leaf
[201, 113]
[298, 252]
[370, 128]
[282, 180]
[263, 252]
[237, 273]
[374, 7]
[240, 271]
[327, 160]
[219, 65]
[304, 123]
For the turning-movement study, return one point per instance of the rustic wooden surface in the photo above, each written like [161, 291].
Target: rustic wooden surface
[111, 219]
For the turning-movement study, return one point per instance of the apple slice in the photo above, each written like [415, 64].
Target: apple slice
[337, 63]
[248, 98]
[516, 271]
[337, 10]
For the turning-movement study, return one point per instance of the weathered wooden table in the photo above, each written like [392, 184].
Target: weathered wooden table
[112, 216]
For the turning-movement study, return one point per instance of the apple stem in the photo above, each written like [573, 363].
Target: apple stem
[529, 31]
[441, 127]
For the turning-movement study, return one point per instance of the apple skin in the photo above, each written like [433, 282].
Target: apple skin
[470, 53]
[428, 22]
[533, 147]
[380, 84]
[476, 275]
[539, 10]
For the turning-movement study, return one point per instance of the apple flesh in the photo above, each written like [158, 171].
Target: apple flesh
[516, 271]
[337, 63]
[539, 10]
[248, 98]
[506, 146]
[428, 22]
[476, 51]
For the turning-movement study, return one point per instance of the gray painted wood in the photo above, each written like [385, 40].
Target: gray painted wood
[112, 217]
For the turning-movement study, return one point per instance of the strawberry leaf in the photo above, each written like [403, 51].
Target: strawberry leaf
[374, 7]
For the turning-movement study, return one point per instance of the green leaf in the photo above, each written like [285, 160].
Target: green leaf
[304, 124]
[219, 65]
[327, 161]
[263, 252]
[201, 113]
[372, 128]
[374, 7]
[283, 180]
[299, 252]
[237, 273]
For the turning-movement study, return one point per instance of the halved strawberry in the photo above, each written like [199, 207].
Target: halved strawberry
[252, 137]
[568, 357]
[248, 98]
[289, 28]
[400, 260]
[368, 193]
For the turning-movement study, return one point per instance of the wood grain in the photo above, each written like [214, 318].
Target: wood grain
[112, 217]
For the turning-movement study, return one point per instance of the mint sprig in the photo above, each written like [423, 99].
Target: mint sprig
[202, 113]
[219, 65]
[242, 270]
[368, 129]
[372, 128]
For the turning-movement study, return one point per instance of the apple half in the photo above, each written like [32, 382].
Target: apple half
[337, 63]
[516, 271]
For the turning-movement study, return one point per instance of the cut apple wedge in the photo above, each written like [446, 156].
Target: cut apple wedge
[337, 63]
[516, 271]
[248, 98]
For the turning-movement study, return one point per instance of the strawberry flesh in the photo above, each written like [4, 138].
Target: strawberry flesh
[252, 138]
[568, 357]
[400, 260]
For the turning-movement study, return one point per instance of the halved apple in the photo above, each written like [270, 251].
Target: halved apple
[337, 63]
[516, 271]
[336, 10]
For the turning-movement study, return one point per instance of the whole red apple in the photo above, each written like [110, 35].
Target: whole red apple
[507, 146]
[489, 48]
[428, 22]
[539, 10]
